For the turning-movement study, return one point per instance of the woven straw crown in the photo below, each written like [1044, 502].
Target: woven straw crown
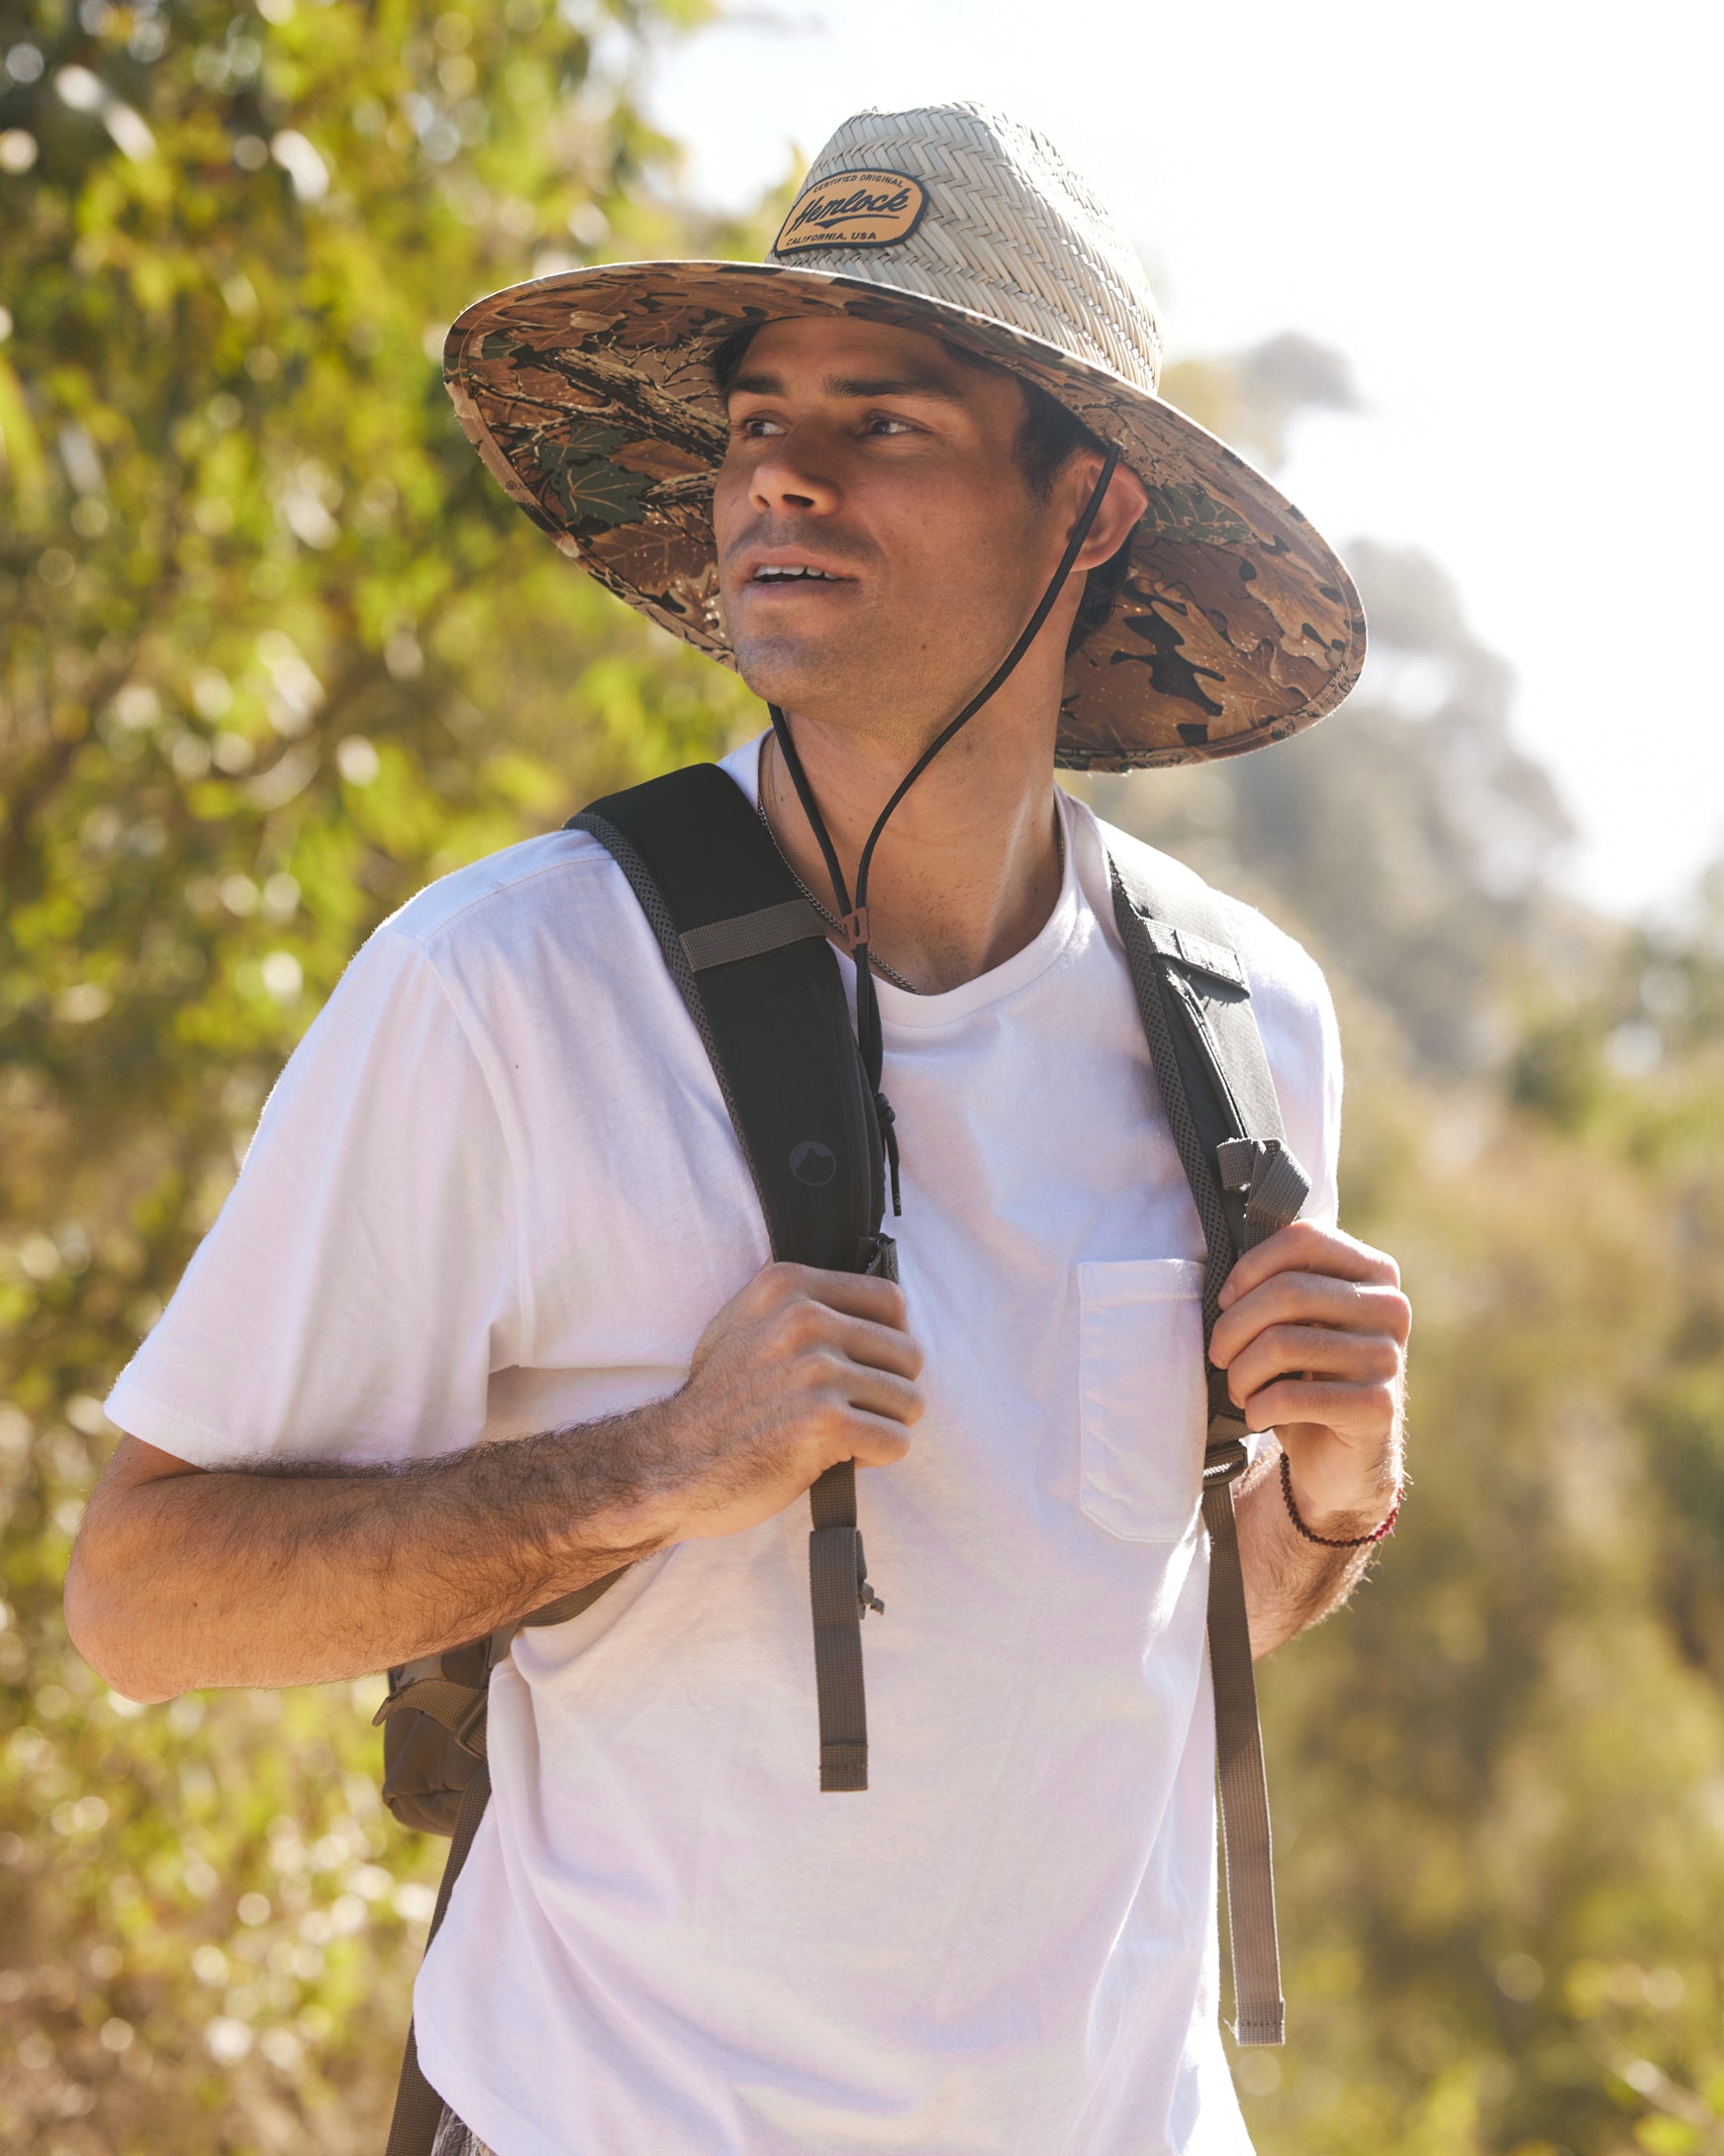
[591, 399]
[1013, 232]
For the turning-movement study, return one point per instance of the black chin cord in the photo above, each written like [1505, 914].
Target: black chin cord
[855, 919]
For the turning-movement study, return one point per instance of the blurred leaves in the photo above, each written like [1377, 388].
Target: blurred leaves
[276, 652]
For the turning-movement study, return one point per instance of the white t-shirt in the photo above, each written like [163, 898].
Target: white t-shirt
[496, 1191]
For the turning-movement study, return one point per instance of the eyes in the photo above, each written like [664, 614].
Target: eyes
[876, 426]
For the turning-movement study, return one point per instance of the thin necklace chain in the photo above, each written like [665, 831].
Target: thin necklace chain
[890, 973]
[878, 965]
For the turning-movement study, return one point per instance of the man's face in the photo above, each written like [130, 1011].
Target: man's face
[874, 459]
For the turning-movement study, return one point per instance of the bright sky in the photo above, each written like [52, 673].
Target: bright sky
[1505, 211]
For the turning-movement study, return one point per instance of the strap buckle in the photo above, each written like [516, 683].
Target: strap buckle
[1264, 1172]
[865, 1594]
[1226, 1457]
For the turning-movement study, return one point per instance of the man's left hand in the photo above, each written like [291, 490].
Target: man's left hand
[1312, 1336]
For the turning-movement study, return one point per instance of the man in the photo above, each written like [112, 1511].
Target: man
[488, 1313]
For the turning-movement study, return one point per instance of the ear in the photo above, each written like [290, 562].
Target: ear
[1122, 505]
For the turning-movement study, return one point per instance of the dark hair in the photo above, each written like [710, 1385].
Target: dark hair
[727, 357]
[1048, 437]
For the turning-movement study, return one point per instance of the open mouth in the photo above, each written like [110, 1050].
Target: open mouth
[782, 573]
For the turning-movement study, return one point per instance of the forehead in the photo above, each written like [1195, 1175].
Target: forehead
[837, 355]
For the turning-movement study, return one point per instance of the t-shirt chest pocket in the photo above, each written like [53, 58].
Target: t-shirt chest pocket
[1143, 1406]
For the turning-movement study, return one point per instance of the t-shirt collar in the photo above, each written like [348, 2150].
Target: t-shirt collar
[900, 1010]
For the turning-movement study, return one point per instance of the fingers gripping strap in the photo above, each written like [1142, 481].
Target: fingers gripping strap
[1219, 1100]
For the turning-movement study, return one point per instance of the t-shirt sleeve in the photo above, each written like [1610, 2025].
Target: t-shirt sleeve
[362, 1280]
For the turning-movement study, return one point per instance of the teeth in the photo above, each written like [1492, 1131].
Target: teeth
[773, 571]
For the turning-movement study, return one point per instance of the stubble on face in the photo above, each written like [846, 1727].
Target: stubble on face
[876, 457]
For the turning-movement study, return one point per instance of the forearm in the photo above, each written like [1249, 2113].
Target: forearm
[279, 1577]
[272, 1576]
[1289, 1583]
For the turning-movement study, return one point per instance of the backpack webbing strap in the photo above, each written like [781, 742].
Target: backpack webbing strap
[835, 1577]
[463, 1708]
[841, 1597]
[751, 936]
[760, 981]
[1219, 1096]
[419, 2109]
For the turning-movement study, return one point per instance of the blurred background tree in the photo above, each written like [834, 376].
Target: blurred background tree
[276, 652]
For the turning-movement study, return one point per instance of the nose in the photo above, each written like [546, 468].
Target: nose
[788, 476]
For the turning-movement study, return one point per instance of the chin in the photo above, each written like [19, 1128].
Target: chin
[796, 677]
[850, 683]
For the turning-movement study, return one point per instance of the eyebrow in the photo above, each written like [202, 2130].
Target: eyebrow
[856, 385]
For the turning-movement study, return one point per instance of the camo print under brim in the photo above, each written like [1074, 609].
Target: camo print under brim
[591, 398]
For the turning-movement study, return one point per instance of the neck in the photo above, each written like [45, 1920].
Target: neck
[968, 870]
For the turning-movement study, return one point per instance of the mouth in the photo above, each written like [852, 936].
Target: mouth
[788, 576]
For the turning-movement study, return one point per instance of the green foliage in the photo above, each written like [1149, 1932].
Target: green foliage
[1500, 1771]
[275, 652]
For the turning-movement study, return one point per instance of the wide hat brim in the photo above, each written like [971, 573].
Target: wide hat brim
[591, 397]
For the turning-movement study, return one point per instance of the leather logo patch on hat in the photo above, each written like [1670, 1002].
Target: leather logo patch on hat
[854, 210]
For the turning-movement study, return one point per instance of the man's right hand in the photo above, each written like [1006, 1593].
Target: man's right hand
[799, 1371]
[281, 1575]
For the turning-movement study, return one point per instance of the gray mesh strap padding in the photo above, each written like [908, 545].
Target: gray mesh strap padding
[751, 936]
[1218, 1097]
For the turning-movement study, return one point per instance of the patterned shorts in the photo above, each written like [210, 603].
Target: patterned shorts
[455, 2139]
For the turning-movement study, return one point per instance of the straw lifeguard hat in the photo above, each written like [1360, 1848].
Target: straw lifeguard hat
[591, 397]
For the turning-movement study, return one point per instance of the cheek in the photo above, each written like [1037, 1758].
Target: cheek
[729, 504]
[974, 565]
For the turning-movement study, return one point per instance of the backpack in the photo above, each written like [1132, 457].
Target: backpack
[761, 983]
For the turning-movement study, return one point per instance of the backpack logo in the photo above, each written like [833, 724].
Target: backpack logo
[814, 1163]
[854, 210]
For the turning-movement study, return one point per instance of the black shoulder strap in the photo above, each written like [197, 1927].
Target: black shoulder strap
[1219, 1099]
[752, 961]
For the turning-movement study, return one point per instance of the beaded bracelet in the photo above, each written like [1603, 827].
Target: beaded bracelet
[1352, 1541]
